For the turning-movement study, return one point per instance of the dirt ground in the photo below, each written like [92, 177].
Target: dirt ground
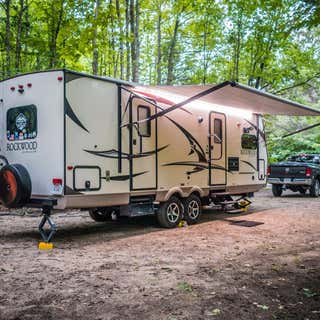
[135, 270]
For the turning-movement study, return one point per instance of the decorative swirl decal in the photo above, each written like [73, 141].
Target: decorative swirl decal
[249, 164]
[125, 177]
[70, 113]
[198, 166]
[114, 154]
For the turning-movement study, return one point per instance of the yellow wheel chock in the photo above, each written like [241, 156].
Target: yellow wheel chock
[45, 245]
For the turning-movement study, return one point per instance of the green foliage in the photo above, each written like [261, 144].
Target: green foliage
[271, 45]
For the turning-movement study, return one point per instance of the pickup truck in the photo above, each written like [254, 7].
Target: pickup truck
[298, 173]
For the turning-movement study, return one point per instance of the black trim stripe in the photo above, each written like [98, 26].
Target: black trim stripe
[114, 154]
[126, 176]
[249, 164]
[70, 113]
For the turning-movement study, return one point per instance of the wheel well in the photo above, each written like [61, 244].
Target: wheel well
[176, 194]
[196, 193]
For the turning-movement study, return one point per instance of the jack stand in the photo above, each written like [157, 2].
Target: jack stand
[46, 236]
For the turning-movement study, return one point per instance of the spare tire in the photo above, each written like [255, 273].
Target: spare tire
[15, 186]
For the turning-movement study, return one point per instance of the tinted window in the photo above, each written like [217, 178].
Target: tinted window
[249, 141]
[304, 158]
[144, 128]
[217, 131]
[22, 123]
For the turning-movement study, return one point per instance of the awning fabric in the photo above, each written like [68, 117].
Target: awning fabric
[229, 94]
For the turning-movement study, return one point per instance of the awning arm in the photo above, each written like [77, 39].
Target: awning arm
[182, 103]
[301, 130]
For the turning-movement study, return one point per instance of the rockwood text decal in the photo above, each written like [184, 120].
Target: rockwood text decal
[30, 146]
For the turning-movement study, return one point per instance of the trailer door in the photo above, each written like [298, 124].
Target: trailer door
[143, 149]
[217, 149]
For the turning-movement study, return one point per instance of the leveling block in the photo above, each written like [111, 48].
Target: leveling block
[182, 223]
[45, 246]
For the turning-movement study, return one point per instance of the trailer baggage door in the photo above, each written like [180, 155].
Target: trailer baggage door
[143, 147]
[217, 149]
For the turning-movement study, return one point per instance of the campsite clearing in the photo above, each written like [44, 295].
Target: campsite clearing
[131, 269]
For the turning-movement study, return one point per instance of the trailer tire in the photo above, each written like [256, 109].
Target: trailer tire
[170, 213]
[277, 190]
[315, 188]
[101, 214]
[192, 209]
[15, 186]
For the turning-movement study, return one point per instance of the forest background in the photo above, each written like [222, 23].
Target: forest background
[271, 45]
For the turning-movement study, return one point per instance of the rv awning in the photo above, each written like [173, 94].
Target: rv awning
[227, 94]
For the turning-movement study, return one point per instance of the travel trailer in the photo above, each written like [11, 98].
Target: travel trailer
[71, 140]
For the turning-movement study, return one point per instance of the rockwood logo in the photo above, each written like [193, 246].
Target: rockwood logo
[22, 146]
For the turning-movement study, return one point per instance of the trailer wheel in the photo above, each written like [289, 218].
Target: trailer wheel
[15, 186]
[101, 214]
[277, 190]
[170, 213]
[192, 209]
[315, 188]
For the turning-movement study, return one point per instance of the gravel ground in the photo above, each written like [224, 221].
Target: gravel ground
[131, 269]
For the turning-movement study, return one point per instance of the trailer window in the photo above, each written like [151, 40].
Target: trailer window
[22, 123]
[249, 141]
[144, 128]
[218, 131]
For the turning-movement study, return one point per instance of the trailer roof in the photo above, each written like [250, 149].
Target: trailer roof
[229, 94]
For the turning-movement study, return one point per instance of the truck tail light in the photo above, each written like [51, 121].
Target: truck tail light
[57, 181]
[269, 171]
[308, 172]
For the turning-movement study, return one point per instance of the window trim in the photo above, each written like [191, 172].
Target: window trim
[220, 136]
[251, 135]
[34, 109]
[148, 123]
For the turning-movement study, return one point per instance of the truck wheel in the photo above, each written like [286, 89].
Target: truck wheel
[101, 214]
[314, 190]
[277, 190]
[192, 209]
[15, 186]
[170, 213]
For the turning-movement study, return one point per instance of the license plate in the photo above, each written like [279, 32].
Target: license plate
[286, 180]
[57, 189]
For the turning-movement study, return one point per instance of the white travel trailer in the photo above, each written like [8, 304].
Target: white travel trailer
[71, 140]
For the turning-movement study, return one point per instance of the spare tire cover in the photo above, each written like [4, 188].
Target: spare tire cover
[15, 185]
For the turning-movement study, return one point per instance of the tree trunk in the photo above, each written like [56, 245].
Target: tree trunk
[25, 56]
[170, 75]
[7, 37]
[95, 52]
[159, 53]
[135, 44]
[18, 37]
[55, 29]
[237, 47]
[120, 38]
[128, 66]
[205, 61]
